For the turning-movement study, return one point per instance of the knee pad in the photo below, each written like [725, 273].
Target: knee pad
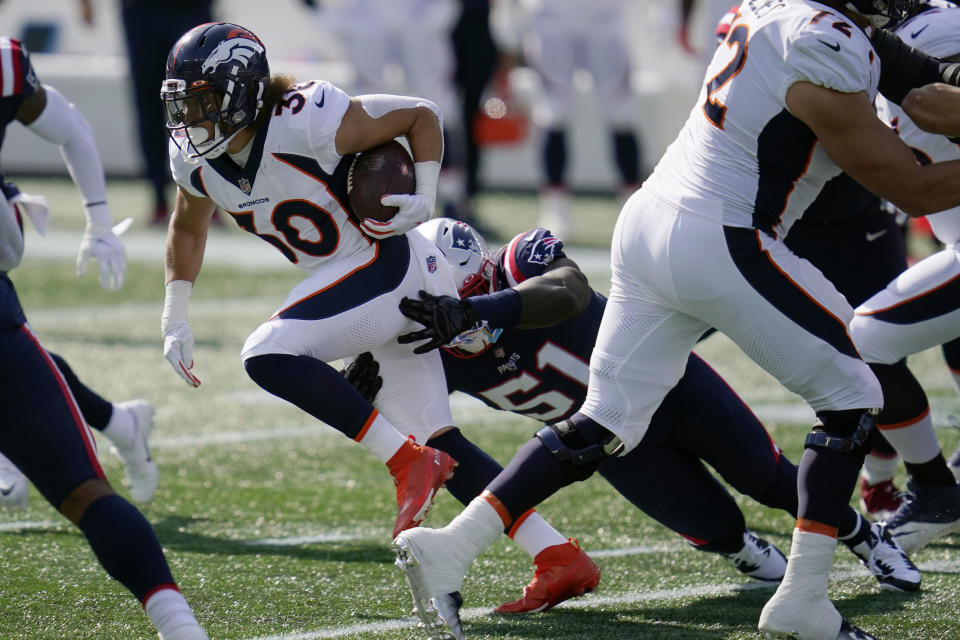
[581, 453]
[843, 431]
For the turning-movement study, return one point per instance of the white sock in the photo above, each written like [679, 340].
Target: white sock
[119, 429]
[168, 611]
[382, 439]
[535, 534]
[914, 439]
[877, 469]
[811, 557]
[477, 527]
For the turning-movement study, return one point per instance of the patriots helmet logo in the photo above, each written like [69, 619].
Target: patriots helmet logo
[237, 49]
[543, 250]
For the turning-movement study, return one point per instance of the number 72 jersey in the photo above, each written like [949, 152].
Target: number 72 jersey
[742, 158]
[292, 190]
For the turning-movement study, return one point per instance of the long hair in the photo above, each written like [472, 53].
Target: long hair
[277, 86]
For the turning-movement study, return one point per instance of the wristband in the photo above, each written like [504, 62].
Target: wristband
[501, 310]
[175, 302]
[428, 175]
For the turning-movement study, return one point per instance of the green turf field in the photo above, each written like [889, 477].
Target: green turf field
[277, 527]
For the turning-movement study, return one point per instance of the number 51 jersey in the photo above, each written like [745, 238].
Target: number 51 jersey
[742, 158]
[292, 190]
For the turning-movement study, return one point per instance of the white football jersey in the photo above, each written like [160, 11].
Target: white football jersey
[292, 191]
[742, 158]
[935, 31]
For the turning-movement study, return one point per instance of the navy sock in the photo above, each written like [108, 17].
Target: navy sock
[475, 469]
[530, 478]
[555, 156]
[126, 545]
[626, 152]
[826, 481]
[315, 387]
[95, 409]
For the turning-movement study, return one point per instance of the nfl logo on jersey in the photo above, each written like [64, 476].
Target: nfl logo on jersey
[431, 263]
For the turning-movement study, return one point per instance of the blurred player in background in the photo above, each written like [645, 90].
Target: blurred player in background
[413, 37]
[150, 28]
[786, 104]
[42, 432]
[45, 112]
[563, 36]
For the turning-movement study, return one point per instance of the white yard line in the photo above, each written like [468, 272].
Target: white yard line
[590, 602]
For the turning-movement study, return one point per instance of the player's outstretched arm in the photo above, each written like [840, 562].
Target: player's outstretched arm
[859, 143]
[186, 240]
[49, 115]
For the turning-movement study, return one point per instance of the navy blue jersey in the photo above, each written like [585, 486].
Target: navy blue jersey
[541, 373]
[11, 314]
[17, 80]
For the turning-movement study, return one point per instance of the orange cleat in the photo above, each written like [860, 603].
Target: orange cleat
[417, 473]
[564, 571]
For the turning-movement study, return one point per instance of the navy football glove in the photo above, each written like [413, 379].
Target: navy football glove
[444, 317]
[363, 374]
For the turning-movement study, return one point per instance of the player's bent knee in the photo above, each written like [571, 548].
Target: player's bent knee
[581, 453]
[85, 494]
[847, 431]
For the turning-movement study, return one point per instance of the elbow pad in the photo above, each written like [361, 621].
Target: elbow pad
[903, 67]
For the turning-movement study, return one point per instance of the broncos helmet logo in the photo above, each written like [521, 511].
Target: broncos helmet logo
[238, 49]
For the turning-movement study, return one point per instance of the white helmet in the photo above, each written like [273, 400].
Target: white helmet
[465, 250]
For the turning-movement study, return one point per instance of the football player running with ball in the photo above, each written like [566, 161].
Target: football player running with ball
[786, 104]
[275, 155]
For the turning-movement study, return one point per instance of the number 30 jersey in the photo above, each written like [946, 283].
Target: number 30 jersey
[742, 158]
[292, 190]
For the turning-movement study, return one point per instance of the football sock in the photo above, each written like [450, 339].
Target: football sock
[809, 563]
[532, 476]
[933, 473]
[120, 428]
[879, 467]
[475, 528]
[555, 156]
[534, 534]
[168, 610]
[126, 545]
[626, 152]
[324, 393]
[95, 409]
[383, 440]
[854, 531]
[475, 469]
[825, 484]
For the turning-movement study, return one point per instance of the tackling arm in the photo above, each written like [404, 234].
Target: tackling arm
[854, 138]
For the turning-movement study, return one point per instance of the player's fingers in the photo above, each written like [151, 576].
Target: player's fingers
[415, 336]
[395, 199]
[184, 372]
[427, 348]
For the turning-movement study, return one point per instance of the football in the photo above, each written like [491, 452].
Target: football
[380, 171]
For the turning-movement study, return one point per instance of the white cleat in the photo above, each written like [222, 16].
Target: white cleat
[434, 573]
[140, 468]
[800, 616]
[888, 563]
[926, 514]
[758, 559]
[13, 486]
